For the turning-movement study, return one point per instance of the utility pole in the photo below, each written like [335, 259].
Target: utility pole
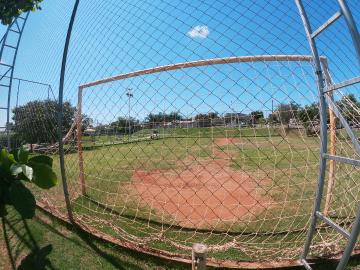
[129, 94]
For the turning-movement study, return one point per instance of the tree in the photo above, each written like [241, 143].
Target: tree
[256, 116]
[10, 9]
[349, 107]
[213, 115]
[285, 112]
[309, 114]
[156, 118]
[102, 129]
[86, 122]
[122, 124]
[36, 121]
[206, 119]
[273, 118]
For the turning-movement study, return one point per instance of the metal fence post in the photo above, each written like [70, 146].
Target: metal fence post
[323, 127]
[60, 112]
[351, 25]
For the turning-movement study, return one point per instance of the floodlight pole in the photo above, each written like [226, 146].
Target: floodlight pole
[129, 95]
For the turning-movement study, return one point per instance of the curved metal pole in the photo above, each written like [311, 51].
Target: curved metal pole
[351, 25]
[12, 78]
[11, 66]
[201, 63]
[3, 40]
[323, 128]
[60, 112]
[352, 242]
[356, 40]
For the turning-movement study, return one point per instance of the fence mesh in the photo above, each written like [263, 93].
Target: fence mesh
[194, 121]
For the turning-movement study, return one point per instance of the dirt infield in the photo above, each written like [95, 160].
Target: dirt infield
[226, 141]
[206, 192]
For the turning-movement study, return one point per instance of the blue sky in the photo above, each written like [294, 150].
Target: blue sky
[112, 37]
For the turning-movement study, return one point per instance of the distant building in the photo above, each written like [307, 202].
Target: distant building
[295, 123]
[236, 119]
[185, 123]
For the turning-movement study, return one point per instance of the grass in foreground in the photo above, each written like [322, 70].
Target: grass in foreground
[74, 250]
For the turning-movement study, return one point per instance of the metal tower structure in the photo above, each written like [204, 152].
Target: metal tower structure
[9, 46]
[327, 102]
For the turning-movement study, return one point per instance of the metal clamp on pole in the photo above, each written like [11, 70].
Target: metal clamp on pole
[199, 256]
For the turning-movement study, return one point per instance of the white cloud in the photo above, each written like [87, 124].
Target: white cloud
[199, 31]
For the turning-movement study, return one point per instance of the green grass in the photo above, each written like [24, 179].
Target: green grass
[210, 132]
[286, 168]
[207, 132]
[73, 249]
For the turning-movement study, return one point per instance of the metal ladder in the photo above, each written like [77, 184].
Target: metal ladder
[326, 100]
[9, 45]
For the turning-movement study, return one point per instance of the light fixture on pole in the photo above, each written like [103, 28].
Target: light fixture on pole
[129, 94]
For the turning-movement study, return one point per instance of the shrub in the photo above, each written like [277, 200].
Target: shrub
[17, 168]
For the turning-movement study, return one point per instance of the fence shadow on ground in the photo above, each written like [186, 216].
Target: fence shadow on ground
[28, 246]
[19, 239]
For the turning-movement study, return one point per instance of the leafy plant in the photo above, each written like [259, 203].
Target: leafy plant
[17, 168]
[10, 9]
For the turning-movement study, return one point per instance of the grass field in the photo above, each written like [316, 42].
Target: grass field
[72, 249]
[283, 170]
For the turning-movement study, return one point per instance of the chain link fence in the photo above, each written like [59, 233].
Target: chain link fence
[193, 121]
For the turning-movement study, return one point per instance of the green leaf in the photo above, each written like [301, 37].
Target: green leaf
[44, 177]
[16, 169]
[3, 211]
[27, 171]
[41, 159]
[23, 154]
[6, 159]
[23, 200]
[14, 152]
[4, 190]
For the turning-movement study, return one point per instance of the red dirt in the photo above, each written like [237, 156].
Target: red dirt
[208, 191]
[226, 141]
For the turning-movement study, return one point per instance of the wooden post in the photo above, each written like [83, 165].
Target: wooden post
[332, 163]
[332, 150]
[199, 257]
[79, 142]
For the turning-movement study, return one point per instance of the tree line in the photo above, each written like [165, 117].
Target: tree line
[36, 121]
